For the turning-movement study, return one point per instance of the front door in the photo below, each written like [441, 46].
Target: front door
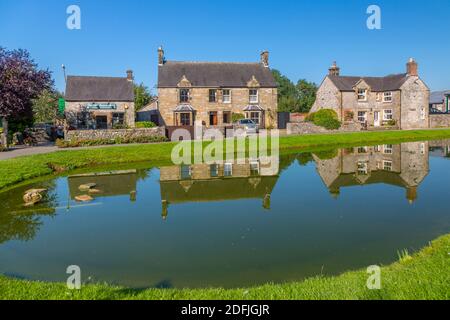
[213, 120]
[376, 118]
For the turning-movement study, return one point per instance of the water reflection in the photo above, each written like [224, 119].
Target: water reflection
[404, 165]
[232, 224]
[244, 179]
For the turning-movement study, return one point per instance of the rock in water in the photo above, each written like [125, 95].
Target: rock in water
[36, 191]
[32, 198]
[94, 191]
[84, 198]
[87, 186]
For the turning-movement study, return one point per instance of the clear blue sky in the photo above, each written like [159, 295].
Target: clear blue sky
[303, 37]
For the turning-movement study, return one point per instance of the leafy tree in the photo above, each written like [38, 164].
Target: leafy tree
[306, 95]
[142, 96]
[294, 98]
[45, 107]
[20, 82]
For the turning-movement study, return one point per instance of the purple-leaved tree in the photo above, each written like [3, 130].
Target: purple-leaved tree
[21, 81]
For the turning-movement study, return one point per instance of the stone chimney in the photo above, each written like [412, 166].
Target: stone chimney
[161, 58]
[412, 68]
[130, 75]
[265, 58]
[334, 70]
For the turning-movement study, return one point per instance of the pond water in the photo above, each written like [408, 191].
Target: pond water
[233, 226]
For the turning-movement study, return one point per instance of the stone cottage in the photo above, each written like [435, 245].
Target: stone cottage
[209, 93]
[100, 102]
[398, 101]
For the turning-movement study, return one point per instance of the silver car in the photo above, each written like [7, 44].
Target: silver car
[249, 126]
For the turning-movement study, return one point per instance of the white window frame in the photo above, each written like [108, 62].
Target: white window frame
[363, 168]
[362, 95]
[360, 117]
[253, 98]
[388, 149]
[226, 95]
[228, 169]
[387, 165]
[388, 114]
[387, 97]
[423, 114]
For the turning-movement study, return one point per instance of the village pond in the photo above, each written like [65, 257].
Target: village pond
[320, 213]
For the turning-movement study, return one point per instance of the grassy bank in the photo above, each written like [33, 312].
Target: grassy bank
[425, 275]
[21, 169]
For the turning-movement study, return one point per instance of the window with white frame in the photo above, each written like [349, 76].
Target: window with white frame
[422, 148]
[362, 116]
[253, 93]
[388, 115]
[226, 96]
[423, 114]
[184, 95]
[388, 149]
[387, 165]
[387, 96]
[254, 168]
[228, 170]
[363, 168]
[362, 94]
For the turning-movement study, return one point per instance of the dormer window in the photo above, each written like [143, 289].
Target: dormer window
[184, 95]
[387, 96]
[253, 93]
[362, 94]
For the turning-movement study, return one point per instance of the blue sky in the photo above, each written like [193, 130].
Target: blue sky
[303, 37]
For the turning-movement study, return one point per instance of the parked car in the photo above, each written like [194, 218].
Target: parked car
[249, 126]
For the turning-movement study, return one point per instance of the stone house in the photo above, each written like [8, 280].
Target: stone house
[100, 102]
[440, 102]
[209, 93]
[398, 101]
[405, 166]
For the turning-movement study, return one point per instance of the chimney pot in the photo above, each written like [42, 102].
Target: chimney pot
[265, 58]
[412, 68]
[334, 70]
[161, 58]
[130, 75]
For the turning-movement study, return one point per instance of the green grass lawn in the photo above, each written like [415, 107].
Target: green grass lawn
[423, 276]
[21, 169]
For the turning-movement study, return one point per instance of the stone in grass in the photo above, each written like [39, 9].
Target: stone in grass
[84, 198]
[87, 186]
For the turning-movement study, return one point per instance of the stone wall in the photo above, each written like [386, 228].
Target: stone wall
[114, 133]
[439, 120]
[310, 128]
[415, 104]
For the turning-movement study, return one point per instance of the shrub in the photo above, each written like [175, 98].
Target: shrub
[325, 118]
[236, 117]
[145, 124]
[120, 126]
[75, 143]
[391, 123]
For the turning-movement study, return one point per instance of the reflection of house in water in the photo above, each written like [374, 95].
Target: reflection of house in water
[440, 148]
[108, 184]
[245, 179]
[404, 165]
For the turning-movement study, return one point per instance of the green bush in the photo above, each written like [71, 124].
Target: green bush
[75, 143]
[145, 124]
[236, 117]
[325, 118]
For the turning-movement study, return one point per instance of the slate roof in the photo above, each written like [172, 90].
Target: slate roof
[214, 74]
[101, 89]
[438, 96]
[377, 84]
